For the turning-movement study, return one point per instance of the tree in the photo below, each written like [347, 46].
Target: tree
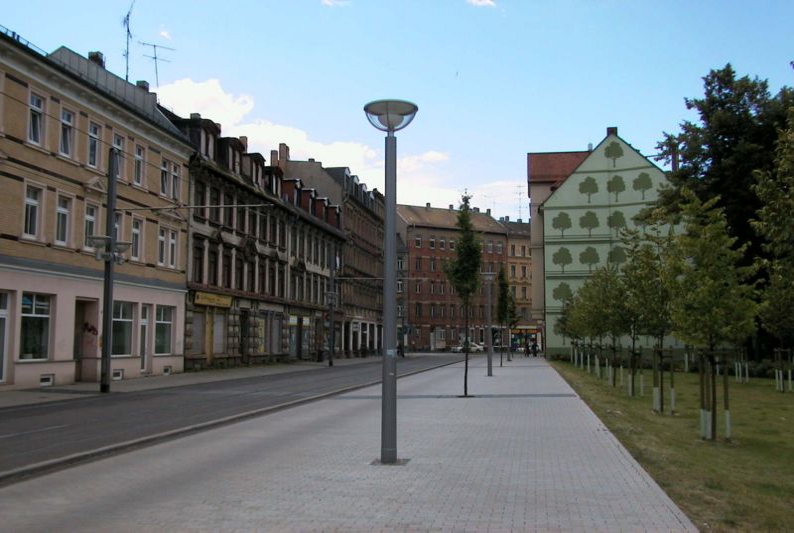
[613, 151]
[735, 135]
[562, 257]
[588, 186]
[512, 322]
[617, 255]
[616, 220]
[642, 183]
[463, 272]
[607, 298]
[589, 257]
[561, 222]
[712, 301]
[775, 223]
[562, 292]
[616, 185]
[589, 221]
[502, 305]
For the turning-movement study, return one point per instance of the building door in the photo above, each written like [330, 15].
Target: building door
[218, 332]
[3, 334]
[143, 337]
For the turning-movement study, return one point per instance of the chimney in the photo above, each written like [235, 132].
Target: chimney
[283, 155]
[427, 205]
[451, 207]
[142, 84]
[97, 57]
[488, 211]
[274, 158]
[612, 130]
[589, 147]
[520, 221]
[244, 140]
[311, 160]
[475, 209]
[507, 218]
[194, 116]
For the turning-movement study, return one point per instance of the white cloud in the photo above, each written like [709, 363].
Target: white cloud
[482, 3]
[335, 3]
[165, 33]
[424, 177]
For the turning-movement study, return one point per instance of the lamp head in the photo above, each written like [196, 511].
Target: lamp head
[390, 115]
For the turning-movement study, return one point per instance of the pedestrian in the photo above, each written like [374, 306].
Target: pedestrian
[526, 348]
[534, 348]
[400, 350]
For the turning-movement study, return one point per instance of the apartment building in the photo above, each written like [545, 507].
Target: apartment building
[434, 315]
[60, 116]
[518, 269]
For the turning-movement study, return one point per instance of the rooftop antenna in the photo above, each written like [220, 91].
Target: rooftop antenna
[520, 199]
[156, 59]
[126, 23]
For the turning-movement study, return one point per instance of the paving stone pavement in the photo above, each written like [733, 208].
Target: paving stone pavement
[523, 454]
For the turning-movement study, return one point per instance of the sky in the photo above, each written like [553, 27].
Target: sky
[493, 79]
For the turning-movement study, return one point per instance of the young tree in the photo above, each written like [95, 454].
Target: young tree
[502, 305]
[712, 301]
[588, 186]
[589, 257]
[561, 222]
[613, 151]
[512, 322]
[463, 272]
[616, 185]
[562, 257]
[605, 296]
[616, 221]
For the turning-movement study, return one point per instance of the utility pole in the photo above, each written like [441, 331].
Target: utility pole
[156, 59]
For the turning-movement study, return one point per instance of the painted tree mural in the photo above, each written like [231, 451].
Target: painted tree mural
[642, 183]
[613, 151]
[562, 292]
[589, 257]
[616, 185]
[616, 221]
[617, 255]
[589, 221]
[561, 222]
[588, 186]
[562, 257]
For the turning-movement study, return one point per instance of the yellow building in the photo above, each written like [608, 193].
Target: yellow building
[60, 115]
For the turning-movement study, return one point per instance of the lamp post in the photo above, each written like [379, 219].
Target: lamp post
[488, 277]
[390, 116]
[109, 250]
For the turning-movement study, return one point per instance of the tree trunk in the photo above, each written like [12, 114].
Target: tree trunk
[713, 397]
[466, 351]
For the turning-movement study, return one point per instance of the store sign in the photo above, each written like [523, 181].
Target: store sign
[215, 300]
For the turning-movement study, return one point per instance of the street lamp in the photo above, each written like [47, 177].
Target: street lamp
[488, 277]
[330, 298]
[111, 251]
[390, 116]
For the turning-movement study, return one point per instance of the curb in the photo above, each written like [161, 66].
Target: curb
[44, 467]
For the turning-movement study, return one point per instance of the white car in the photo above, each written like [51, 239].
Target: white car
[473, 347]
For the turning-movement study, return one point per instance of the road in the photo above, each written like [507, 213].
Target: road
[42, 437]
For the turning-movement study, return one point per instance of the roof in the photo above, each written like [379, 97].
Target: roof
[517, 229]
[436, 217]
[553, 167]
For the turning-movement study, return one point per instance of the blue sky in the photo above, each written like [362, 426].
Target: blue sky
[493, 79]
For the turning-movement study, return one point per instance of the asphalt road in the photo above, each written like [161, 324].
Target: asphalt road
[38, 438]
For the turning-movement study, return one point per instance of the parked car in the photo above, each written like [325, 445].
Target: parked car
[473, 347]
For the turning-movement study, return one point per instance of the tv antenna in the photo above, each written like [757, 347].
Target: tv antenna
[156, 59]
[126, 23]
[520, 199]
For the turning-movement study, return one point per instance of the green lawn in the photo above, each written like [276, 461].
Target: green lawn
[746, 484]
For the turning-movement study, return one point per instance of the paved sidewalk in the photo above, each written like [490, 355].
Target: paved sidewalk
[14, 397]
[524, 454]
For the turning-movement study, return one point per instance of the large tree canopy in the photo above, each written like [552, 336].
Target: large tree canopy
[734, 136]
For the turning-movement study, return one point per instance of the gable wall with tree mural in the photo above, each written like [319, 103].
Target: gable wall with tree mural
[582, 220]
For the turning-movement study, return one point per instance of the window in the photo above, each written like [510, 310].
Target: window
[200, 198]
[418, 241]
[452, 244]
[441, 287]
[172, 248]
[399, 285]
[32, 211]
[212, 266]
[524, 293]
[418, 287]
[140, 165]
[135, 247]
[513, 250]
[432, 287]
[164, 177]
[94, 135]
[175, 183]
[400, 263]
[523, 271]
[122, 328]
[67, 133]
[432, 264]
[198, 260]
[118, 144]
[418, 263]
[91, 212]
[36, 124]
[490, 247]
[117, 225]
[417, 310]
[241, 219]
[62, 220]
[215, 210]
[228, 212]
[432, 242]
[499, 248]
[161, 234]
[35, 332]
[512, 271]
[442, 244]
[523, 251]
[432, 310]
[163, 329]
[239, 281]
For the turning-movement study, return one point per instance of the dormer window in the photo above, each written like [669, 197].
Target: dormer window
[207, 144]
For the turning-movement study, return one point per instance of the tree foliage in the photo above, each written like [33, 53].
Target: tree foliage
[642, 183]
[561, 222]
[589, 221]
[616, 220]
[589, 257]
[616, 185]
[613, 151]
[562, 257]
[588, 186]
